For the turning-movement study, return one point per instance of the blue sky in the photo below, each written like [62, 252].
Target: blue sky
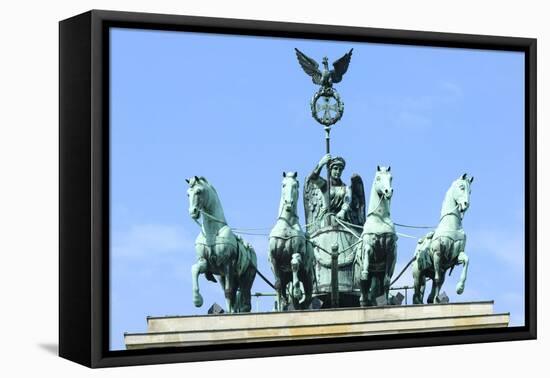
[235, 109]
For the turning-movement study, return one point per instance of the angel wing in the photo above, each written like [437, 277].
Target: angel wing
[314, 203]
[310, 66]
[357, 205]
[340, 67]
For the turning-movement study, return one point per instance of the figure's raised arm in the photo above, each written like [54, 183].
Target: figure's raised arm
[315, 176]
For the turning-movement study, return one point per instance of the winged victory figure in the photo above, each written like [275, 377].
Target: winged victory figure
[346, 202]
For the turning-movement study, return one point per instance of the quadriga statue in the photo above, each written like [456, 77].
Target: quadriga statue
[378, 251]
[290, 254]
[334, 218]
[444, 248]
[219, 251]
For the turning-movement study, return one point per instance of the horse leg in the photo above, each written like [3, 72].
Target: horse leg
[419, 283]
[365, 276]
[307, 275]
[441, 281]
[422, 287]
[286, 278]
[245, 302]
[390, 265]
[436, 289]
[432, 293]
[222, 283]
[276, 271]
[236, 297]
[462, 259]
[229, 289]
[283, 248]
[368, 287]
[295, 264]
[438, 274]
[377, 289]
[307, 280]
[197, 268]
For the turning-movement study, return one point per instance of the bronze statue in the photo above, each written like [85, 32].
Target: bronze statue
[334, 216]
[327, 77]
[326, 106]
[290, 254]
[444, 249]
[342, 251]
[378, 252]
[219, 251]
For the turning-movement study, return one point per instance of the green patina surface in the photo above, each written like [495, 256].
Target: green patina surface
[344, 248]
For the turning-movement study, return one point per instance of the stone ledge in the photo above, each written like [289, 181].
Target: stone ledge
[274, 326]
[315, 317]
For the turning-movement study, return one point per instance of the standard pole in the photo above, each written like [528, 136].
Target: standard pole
[327, 197]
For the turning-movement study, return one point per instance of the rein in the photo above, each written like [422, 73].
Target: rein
[287, 221]
[347, 228]
[378, 205]
[294, 216]
[204, 213]
[212, 217]
[452, 213]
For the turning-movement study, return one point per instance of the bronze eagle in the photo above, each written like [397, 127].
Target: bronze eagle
[327, 77]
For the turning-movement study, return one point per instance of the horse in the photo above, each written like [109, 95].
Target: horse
[378, 249]
[219, 251]
[443, 248]
[290, 254]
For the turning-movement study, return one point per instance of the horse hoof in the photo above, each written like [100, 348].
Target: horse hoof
[197, 300]
[459, 289]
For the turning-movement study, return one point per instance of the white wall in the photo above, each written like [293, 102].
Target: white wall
[29, 190]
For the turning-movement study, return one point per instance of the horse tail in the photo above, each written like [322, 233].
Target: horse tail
[246, 268]
[246, 257]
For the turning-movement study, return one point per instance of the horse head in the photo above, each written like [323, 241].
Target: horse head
[289, 193]
[382, 182]
[460, 191]
[198, 194]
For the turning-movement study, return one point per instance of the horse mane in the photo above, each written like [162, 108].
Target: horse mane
[280, 206]
[445, 208]
[373, 198]
[292, 175]
[216, 198]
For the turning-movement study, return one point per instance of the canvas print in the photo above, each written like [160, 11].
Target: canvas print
[268, 189]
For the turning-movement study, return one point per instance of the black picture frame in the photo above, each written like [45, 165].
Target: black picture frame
[84, 187]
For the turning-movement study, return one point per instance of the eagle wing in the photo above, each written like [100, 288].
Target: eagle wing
[357, 205]
[310, 66]
[340, 67]
[314, 202]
